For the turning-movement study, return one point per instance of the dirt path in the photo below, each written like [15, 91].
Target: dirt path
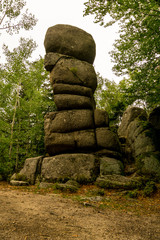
[30, 216]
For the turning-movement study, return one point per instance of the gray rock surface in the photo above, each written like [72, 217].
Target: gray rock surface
[30, 169]
[67, 121]
[72, 89]
[101, 118]
[128, 116]
[69, 101]
[141, 142]
[51, 59]
[109, 166]
[18, 183]
[83, 140]
[78, 167]
[70, 40]
[117, 182]
[74, 72]
[107, 139]
[154, 118]
[149, 164]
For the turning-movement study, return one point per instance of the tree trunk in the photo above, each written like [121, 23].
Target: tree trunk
[13, 120]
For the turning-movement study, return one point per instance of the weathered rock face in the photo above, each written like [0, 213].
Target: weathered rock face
[29, 172]
[154, 118]
[129, 115]
[109, 166]
[101, 118]
[78, 141]
[74, 72]
[79, 167]
[107, 139]
[70, 40]
[141, 139]
[68, 121]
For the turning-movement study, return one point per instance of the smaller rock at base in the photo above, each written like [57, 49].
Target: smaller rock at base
[46, 185]
[69, 186]
[18, 183]
[109, 166]
[117, 182]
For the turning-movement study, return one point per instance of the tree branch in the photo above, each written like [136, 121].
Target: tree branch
[2, 18]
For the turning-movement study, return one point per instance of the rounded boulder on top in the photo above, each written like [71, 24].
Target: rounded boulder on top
[71, 41]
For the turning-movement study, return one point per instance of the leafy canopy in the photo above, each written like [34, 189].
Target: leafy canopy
[109, 96]
[14, 16]
[25, 97]
[137, 51]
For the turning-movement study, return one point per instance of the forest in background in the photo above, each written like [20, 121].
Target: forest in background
[25, 92]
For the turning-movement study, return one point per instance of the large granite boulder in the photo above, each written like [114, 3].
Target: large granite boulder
[79, 167]
[149, 164]
[69, 101]
[74, 72]
[129, 115]
[72, 89]
[154, 118]
[67, 121]
[78, 141]
[118, 182]
[28, 173]
[107, 139]
[139, 139]
[109, 166]
[70, 40]
[101, 118]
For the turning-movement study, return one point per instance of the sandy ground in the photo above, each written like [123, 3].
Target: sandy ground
[29, 216]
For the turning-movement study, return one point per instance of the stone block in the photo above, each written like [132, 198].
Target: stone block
[109, 166]
[56, 143]
[68, 121]
[82, 168]
[68, 101]
[29, 170]
[74, 72]
[70, 40]
[128, 116]
[118, 182]
[101, 118]
[107, 139]
[72, 89]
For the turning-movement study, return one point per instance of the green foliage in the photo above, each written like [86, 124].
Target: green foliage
[20, 177]
[10, 12]
[25, 95]
[109, 96]
[136, 52]
[132, 194]
[149, 189]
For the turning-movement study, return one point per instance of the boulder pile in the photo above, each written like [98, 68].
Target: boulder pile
[78, 141]
[77, 131]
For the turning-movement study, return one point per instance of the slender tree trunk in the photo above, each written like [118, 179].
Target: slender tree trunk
[13, 120]
[17, 150]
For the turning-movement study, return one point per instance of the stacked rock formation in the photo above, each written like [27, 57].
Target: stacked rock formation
[79, 144]
[71, 127]
[77, 126]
